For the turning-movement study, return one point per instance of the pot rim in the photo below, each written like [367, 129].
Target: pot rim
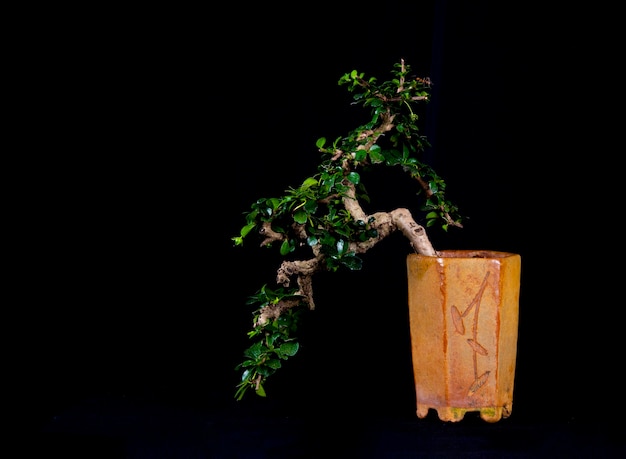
[468, 253]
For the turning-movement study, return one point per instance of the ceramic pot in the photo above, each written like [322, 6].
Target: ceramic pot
[463, 314]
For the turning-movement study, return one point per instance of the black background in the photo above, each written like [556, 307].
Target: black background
[157, 128]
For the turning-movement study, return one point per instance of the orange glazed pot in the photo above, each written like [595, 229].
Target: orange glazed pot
[463, 315]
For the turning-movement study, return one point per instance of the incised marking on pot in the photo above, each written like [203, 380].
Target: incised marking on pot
[477, 348]
[478, 383]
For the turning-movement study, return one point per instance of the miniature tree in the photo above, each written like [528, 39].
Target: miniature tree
[321, 225]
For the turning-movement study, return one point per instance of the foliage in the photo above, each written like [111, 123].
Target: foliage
[274, 343]
[314, 218]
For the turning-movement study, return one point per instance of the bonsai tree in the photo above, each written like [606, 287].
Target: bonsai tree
[322, 225]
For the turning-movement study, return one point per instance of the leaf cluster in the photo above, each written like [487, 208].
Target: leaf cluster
[274, 341]
[314, 216]
[317, 203]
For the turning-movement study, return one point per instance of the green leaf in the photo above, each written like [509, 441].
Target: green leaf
[310, 206]
[272, 339]
[285, 247]
[376, 154]
[289, 349]
[353, 263]
[320, 142]
[273, 363]
[300, 217]
[360, 155]
[354, 177]
[260, 391]
[309, 183]
[246, 229]
[254, 351]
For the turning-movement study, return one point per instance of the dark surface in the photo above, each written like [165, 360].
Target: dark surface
[122, 428]
[151, 131]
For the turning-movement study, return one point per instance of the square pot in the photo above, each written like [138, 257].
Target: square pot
[463, 315]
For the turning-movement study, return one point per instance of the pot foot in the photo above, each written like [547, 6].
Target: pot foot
[422, 411]
[447, 413]
[451, 414]
[491, 414]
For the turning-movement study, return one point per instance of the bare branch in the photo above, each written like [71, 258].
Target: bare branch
[274, 311]
[270, 234]
[414, 232]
